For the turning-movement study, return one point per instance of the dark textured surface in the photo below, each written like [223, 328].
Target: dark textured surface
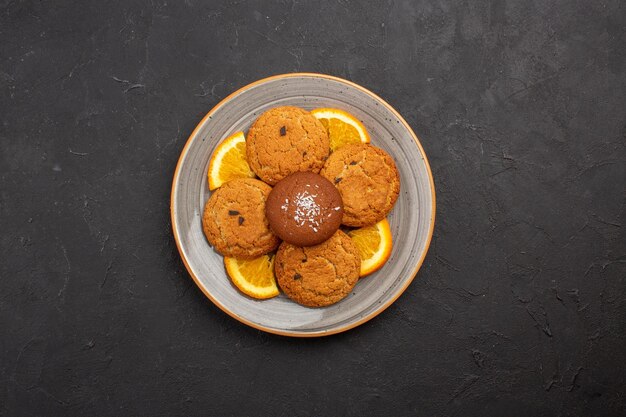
[519, 309]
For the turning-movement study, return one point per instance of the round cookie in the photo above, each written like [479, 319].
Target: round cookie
[320, 275]
[304, 209]
[284, 140]
[234, 219]
[368, 181]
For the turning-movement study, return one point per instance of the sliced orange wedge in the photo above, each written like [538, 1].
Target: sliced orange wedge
[254, 277]
[374, 244]
[342, 127]
[228, 161]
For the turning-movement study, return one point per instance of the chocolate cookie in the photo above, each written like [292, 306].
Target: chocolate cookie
[234, 219]
[304, 209]
[368, 181]
[285, 140]
[320, 275]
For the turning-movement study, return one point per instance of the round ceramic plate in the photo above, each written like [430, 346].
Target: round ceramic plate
[412, 219]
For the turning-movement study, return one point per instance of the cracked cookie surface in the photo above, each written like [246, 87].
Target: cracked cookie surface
[320, 275]
[284, 140]
[234, 219]
[368, 181]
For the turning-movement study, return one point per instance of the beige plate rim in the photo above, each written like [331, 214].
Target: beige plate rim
[349, 326]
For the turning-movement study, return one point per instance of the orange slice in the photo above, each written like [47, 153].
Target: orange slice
[228, 161]
[374, 244]
[342, 127]
[254, 277]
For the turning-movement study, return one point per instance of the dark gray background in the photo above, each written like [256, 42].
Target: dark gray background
[518, 310]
